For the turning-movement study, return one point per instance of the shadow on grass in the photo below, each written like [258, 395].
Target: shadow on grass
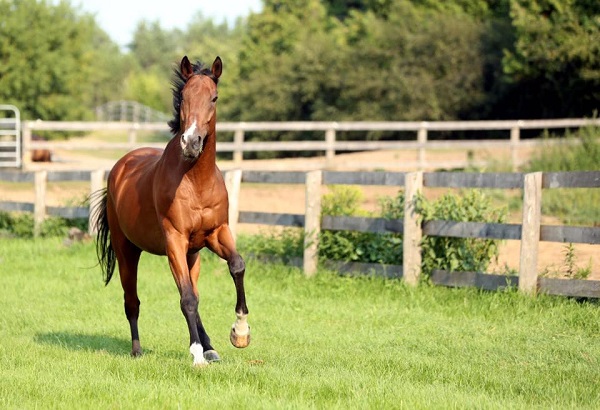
[86, 342]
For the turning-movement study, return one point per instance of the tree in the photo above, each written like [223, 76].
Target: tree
[47, 59]
[555, 58]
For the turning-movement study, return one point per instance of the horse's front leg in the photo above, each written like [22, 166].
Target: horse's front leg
[210, 354]
[178, 261]
[221, 242]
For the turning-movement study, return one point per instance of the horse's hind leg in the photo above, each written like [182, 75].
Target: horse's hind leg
[222, 243]
[128, 256]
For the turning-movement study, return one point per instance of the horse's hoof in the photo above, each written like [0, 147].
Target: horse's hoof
[212, 356]
[136, 349]
[239, 341]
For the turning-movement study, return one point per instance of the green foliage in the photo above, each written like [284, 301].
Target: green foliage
[570, 269]
[48, 59]
[16, 224]
[318, 60]
[459, 254]
[555, 56]
[20, 225]
[355, 246]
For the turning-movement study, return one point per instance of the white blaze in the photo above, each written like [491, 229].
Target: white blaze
[189, 133]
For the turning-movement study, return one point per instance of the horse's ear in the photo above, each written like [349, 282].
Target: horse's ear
[217, 67]
[186, 68]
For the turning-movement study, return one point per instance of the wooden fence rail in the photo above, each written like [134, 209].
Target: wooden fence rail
[530, 231]
[329, 144]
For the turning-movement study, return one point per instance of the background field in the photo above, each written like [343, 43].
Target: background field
[328, 342]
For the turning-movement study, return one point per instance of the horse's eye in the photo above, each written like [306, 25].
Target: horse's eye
[215, 99]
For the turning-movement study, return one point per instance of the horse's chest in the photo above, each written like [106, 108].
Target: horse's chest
[203, 223]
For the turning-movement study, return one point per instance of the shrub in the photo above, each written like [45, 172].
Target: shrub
[20, 225]
[355, 246]
[459, 254]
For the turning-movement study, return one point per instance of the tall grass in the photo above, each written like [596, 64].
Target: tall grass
[572, 206]
[325, 342]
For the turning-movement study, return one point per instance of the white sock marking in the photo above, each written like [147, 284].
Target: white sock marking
[241, 325]
[198, 352]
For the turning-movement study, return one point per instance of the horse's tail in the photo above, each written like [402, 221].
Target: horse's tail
[104, 250]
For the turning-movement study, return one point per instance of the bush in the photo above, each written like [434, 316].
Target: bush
[355, 246]
[20, 225]
[461, 254]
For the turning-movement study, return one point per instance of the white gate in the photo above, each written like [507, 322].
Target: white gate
[10, 136]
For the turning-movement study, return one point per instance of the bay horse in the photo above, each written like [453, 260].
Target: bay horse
[174, 202]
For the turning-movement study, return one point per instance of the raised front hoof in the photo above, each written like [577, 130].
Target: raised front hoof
[212, 356]
[239, 341]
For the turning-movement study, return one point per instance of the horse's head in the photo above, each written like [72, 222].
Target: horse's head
[195, 105]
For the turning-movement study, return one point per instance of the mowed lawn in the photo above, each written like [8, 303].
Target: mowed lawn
[324, 342]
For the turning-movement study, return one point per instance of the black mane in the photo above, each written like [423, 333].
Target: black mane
[178, 83]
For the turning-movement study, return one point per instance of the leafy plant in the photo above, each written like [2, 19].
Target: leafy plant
[459, 254]
[20, 225]
[356, 246]
[569, 269]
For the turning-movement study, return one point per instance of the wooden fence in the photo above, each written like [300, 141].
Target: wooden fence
[530, 231]
[330, 145]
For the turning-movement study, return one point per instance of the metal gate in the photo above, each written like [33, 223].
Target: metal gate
[10, 136]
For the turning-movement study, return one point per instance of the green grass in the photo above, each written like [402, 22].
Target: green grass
[325, 342]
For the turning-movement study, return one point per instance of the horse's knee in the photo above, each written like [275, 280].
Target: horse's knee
[236, 265]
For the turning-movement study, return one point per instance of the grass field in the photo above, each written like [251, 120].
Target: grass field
[325, 342]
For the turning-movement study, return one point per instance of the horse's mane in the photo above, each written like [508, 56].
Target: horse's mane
[178, 83]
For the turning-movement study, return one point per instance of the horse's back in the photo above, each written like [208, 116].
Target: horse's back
[130, 194]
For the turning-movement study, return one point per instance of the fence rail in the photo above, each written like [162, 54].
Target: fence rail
[530, 232]
[330, 144]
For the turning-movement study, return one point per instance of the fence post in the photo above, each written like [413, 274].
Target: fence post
[26, 143]
[422, 139]
[39, 207]
[515, 136]
[233, 180]
[312, 221]
[530, 232]
[96, 184]
[238, 141]
[133, 133]
[411, 244]
[330, 143]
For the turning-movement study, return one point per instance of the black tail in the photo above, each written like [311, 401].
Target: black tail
[104, 251]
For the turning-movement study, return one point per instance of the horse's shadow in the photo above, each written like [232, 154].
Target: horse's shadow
[85, 342]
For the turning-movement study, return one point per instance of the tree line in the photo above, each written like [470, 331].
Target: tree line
[329, 60]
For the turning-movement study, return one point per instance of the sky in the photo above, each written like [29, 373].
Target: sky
[119, 18]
